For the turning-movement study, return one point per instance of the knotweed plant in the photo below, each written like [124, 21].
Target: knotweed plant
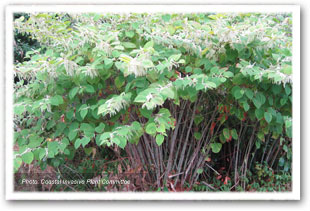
[182, 99]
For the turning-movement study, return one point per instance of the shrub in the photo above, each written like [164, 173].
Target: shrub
[182, 96]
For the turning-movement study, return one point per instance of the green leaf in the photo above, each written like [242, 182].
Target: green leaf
[122, 142]
[199, 171]
[56, 100]
[197, 135]
[204, 51]
[73, 130]
[64, 143]
[73, 92]
[130, 34]
[149, 44]
[151, 129]
[167, 93]
[257, 144]
[281, 161]
[18, 110]
[287, 69]
[85, 141]
[234, 134]
[259, 100]
[88, 151]
[141, 98]
[52, 149]
[77, 143]
[104, 136]
[288, 128]
[249, 93]
[74, 126]
[257, 103]
[50, 124]
[226, 133]
[108, 63]
[216, 147]
[83, 111]
[261, 136]
[89, 89]
[115, 140]
[259, 113]
[119, 81]
[236, 91]
[147, 63]
[268, 117]
[288, 90]
[34, 141]
[136, 126]
[228, 74]
[72, 135]
[283, 101]
[100, 128]
[223, 80]
[198, 119]
[246, 106]
[124, 131]
[88, 130]
[270, 100]
[28, 157]
[159, 139]
[165, 112]
[129, 45]
[116, 53]
[211, 84]
[175, 57]
[17, 163]
[145, 112]
[70, 114]
[171, 29]
[161, 128]
[42, 154]
[166, 17]
[188, 69]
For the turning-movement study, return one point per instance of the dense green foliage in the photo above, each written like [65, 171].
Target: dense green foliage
[183, 97]
[22, 42]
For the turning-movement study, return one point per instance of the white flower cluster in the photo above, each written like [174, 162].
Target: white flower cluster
[135, 65]
[89, 71]
[115, 104]
[273, 72]
[70, 66]
[206, 39]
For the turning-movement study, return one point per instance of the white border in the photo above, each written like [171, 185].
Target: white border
[294, 195]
